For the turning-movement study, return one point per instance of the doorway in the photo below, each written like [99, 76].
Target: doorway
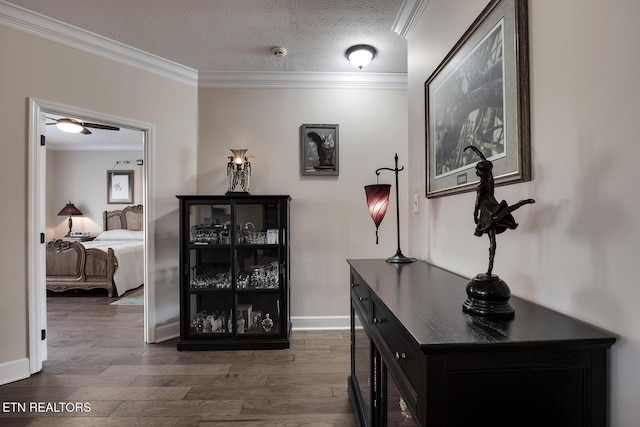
[37, 225]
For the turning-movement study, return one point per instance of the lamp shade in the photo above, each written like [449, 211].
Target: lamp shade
[69, 210]
[377, 201]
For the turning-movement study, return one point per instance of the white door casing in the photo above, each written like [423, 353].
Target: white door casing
[36, 223]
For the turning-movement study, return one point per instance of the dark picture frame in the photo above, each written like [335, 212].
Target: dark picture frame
[119, 186]
[319, 149]
[479, 95]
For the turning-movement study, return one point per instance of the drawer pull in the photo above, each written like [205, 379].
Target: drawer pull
[376, 320]
[400, 356]
[362, 299]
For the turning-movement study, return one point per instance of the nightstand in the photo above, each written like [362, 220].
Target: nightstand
[77, 239]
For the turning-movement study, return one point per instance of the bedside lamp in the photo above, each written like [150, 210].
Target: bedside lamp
[70, 210]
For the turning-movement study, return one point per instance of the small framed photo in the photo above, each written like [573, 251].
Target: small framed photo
[319, 150]
[119, 186]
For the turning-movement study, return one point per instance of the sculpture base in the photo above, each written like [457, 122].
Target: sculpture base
[488, 295]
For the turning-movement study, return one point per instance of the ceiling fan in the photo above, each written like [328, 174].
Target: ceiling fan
[78, 126]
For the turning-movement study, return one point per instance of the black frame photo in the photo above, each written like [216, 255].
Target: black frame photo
[319, 150]
[119, 186]
[479, 95]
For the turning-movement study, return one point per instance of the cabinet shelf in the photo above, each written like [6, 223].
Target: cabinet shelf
[258, 291]
[256, 246]
[210, 291]
[237, 263]
[208, 246]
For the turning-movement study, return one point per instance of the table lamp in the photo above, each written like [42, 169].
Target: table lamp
[69, 210]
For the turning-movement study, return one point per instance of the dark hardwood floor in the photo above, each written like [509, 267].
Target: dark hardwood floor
[100, 368]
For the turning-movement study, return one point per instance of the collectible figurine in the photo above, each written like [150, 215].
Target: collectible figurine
[488, 294]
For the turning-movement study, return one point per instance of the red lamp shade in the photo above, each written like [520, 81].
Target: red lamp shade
[377, 201]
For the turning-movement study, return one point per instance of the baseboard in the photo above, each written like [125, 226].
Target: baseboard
[310, 323]
[299, 323]
[167, 332]
[14, 371]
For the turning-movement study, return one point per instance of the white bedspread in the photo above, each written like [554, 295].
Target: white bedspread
[130, 257]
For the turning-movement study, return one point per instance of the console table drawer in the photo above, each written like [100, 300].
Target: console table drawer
[363, 305]
[403, 354]
[360, 293]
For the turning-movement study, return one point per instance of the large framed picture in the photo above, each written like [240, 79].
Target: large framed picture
[319, 150]
[119, 186]
[479, 95]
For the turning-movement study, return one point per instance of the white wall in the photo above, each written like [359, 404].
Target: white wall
[34, 67]
[576, 249]
[80, 176]
[329, 217]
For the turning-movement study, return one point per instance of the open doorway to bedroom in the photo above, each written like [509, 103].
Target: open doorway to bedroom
[90, 201]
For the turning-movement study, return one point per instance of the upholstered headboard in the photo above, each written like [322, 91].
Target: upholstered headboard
[129, 218]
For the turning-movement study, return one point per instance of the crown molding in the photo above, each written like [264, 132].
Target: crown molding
[33, 23]
[24, 20]
[408, 15]
[302, 80]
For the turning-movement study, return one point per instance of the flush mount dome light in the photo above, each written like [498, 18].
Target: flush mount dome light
[360, 55]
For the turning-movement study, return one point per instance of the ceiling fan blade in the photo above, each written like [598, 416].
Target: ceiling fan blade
[99, 126]
[85, 131]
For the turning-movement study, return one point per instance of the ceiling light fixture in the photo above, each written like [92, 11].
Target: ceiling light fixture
[360, 55]
[69, 126]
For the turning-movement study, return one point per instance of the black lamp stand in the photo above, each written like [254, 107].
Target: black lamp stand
[398, 258]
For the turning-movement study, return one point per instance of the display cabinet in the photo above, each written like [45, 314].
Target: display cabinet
[234, 278]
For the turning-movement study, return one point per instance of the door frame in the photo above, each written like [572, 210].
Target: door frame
[36, 222]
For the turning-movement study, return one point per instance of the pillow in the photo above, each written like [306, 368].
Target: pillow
[121, 235]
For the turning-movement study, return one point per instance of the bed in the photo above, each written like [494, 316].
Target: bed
[114, 260]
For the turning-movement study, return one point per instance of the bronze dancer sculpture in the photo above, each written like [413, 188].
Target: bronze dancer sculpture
[488, 294]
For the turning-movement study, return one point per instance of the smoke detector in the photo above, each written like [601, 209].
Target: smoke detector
[278, 51]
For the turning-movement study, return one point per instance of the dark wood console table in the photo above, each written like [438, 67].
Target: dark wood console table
[417, 359]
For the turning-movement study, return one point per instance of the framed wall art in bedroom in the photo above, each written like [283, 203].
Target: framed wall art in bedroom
[119, 186]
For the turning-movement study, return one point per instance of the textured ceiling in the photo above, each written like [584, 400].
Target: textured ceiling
[237, 35]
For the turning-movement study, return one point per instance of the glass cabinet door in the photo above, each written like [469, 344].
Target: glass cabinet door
[210, 298]
[363, 366]
[398, 413]
[259, 268]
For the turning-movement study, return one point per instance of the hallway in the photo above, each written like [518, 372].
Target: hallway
[100, 373]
